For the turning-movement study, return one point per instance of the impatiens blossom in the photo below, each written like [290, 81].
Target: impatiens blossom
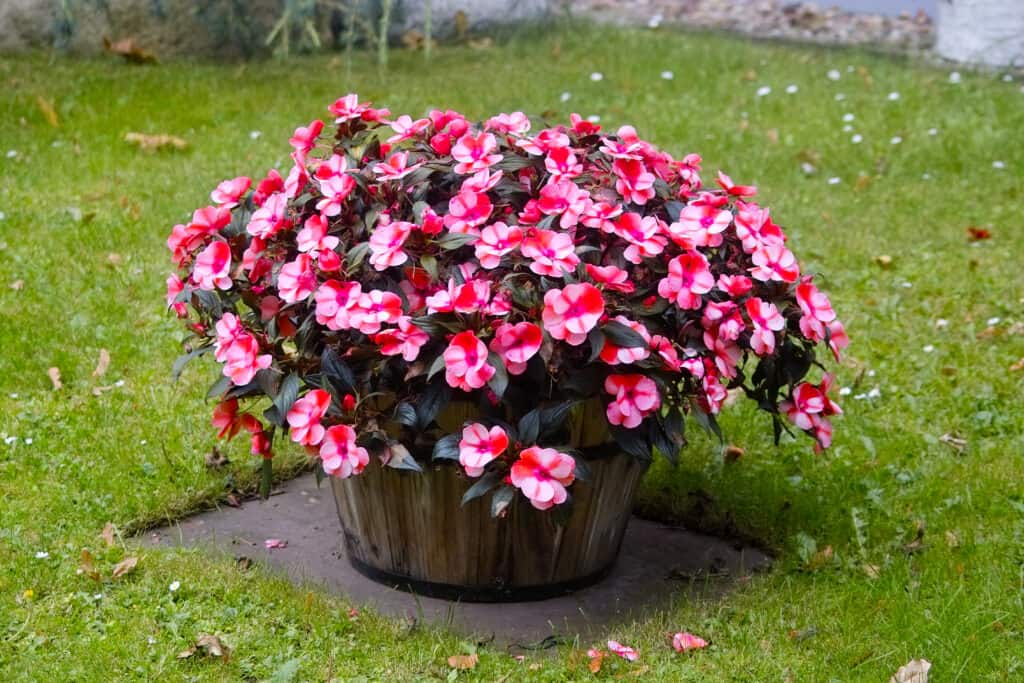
[270, 218]
[305, 415]
[376, 308]
[635, 397]
[516, 123]
[174, 288]
[296, 280]
[611, 277]
[755, 228]
[686, 642]
[570, 313]
[405, 127]
[495, 241]
[349, 107]
[766, 320]
[552, 253]
[467, 210]
[405, 340]
[228, 193]
[734, 285]
[475, 153]
[633, 181]
[386, 244]
[624, 651]
[643, 234]
[304, 137]
[816, 308]
[809, 408]
[339, 454]
[565, 199]
[725, 182]
[336, 184]
[396, 167]
[542, 475]
[516, 345]
[774, 262]
[337, 304]
[465, 362]
[229, 421]
[480, 446]
[313, 237]
[688, 278]
[614, 355]
[213, 267]
[562, 163]
[242, 360]
[700, 224]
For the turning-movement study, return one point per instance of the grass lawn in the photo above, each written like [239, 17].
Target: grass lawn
[935, 332]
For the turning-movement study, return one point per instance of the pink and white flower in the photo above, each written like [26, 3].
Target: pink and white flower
[495, 241]
[517, 344]
[562, 163]
[570, 313]
[687, 642]
[689, 276]
[700, 224]
[633, 181]
[313, 237]
[374, 309]
[213, 267]
[296, 281]
[465, 362]
[467, 210]
[229, 193]
[542, 475]
[552, 253]
[816, 308]
[725, 182]
[643, 234]
[349, 107]
[636, 397]
[766, 320]
[339, 454]
[624, 651]
[566, 198]
[270, 218]
[774, 262]
[386, 244]
[337, 304]
[516, 123]
[475, 153]
[405, 340]
[612, 277]
[755, 228]
[616, 355]
[304, 417]
[480, 446]
[406, 128]
[304, 138]
[395, 167]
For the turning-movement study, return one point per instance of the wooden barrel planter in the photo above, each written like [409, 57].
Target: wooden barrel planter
[410, 531]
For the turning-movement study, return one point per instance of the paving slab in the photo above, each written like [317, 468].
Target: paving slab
[657, 563]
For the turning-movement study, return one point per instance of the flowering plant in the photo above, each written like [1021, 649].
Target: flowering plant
[493, 295]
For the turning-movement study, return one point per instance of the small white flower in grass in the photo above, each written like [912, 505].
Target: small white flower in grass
[594, 118]
[254, 134]
[871, 373]
[14, 396]
[999, 164]
[833, 75]
[151, 640]
[895, 140]
[907, 285]
[848, 117]
[28, 441]
[1007, 78]
[933, 131]
[792, 89]
[834, 180]
[566, 96]
[848, 128]
[655, 20]
[597, 76]
[2, 215]
[119, 383]
[667, 75]
[845, 391]
[11, 153]
[840, 97]
[994, 321]
[807, 167]
[954, 77]
[893, 96]
[875, 393]
[928, 348]
[764, 90]
[941, 322]
[926, 176]
[10, 440]
[857, 139]
[142, 442]
[97, 596]
[849, 68]
[42, 555]
[175, 585]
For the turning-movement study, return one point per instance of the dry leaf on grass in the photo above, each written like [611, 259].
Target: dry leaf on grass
[125, 566]
[883, 260]
[914, 671]
[960, 445]
[130, 50]
[215, 459]
[463, 662]
[48, 111]
[18, 285]
[1018, 366]
[872, 570]
[976, 234]
[152, 143]
[87, 566]
[54, 375]
[952, 540]
[210, 645]
[596, 659]
[732, 453]
[108, 534]
[102, 364]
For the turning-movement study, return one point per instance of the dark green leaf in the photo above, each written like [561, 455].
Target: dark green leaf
[405, 414]
[501, 500]
[182, 361]
[622, 336]
[454, 240]
[447, 448]
[400, 458]
[337, 373]
[429, 264]
[632, 442]
[288, 394]
[529, 427]
[499, 380]
[482, 486]
[434, 398]
[583, 472]
[356, 254]
[219, 388]
[674, 208]
[553, 417]
[709, 423]
[435, 367]
[596, 339]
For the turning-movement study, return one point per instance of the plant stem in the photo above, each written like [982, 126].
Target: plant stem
[382, 33]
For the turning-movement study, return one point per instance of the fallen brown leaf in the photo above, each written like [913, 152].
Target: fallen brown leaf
[820, 558]
[215, 459]
[463, 662]
[750, 75]
[132, 52]
[125, 566]
[960, 445]
[210, 645]
[952, 540]
[108, 534]
[1018, 366]
[917, 545]
[87, 566]
[863, 183]
[152, 143]
[803, 634]
[54, 375]
[18, 285]
[872, 570]
[914, 671]
[102, 364]
[596, 659]
[484, 43]
[243, 563]
[883, 260]
[48, 111]
[772, 134]
[732, 453]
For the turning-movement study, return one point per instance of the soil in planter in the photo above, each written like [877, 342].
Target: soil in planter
[657, 563]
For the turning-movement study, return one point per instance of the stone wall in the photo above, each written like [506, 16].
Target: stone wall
[989, 32]
[179, 31]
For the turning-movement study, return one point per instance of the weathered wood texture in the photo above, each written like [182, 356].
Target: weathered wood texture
[412, 525]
